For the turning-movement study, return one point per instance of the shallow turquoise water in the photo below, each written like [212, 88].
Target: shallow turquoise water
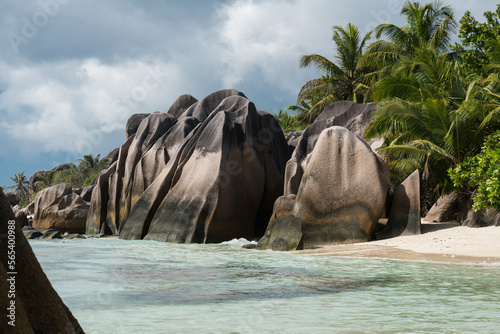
[118, 286]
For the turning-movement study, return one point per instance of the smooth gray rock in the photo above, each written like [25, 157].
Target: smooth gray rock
[404, 217]
[343, 190]
[180, 105]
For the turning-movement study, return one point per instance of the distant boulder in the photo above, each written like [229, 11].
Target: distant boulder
[59, 208]
[482, 218]
[86, 193]
[110, 158]
[34, 179]
[62, 167]
[30, 209]
[446, 208]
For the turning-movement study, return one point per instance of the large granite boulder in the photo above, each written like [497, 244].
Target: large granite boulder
[343, 190]
[220, 184]
[179, 176]
[38, 308]
[404, 217]
[353, 116]
[59, 208]
[284, 234]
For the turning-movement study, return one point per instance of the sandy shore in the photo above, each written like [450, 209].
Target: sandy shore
[438, 242]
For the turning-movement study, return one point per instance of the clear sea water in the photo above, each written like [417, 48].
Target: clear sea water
[120, 286]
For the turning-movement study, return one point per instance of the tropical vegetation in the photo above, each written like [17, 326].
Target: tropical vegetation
[79, 175]
[20, 186]
[437, 104]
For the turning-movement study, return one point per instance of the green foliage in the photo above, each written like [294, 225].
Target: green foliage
[474, 37]
[21, 187]
[344, 79]
[482, 172]
[82, 174]
[290, 123]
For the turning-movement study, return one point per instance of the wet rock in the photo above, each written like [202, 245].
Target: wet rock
[284, 234]
[51, 234]
[31, 233]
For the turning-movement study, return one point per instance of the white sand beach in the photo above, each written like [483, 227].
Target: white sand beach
[438, 242]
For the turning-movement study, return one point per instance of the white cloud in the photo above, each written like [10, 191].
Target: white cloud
[71, 105]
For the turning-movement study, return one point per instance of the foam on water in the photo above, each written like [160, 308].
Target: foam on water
[118, 286]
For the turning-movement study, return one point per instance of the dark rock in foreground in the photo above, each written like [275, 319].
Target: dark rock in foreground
[38, 308]
[404, 217]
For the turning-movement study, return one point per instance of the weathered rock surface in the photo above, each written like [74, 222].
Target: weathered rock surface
[133, 124]
[86, 193]
[180, 105]
[59, 208]
[12, 197]
[21, 216]
[38, 307]
[482, 218]
[207, 171]
[445, 209]
[284, 234]
[353, 116]
[343, 190]
[404, 217]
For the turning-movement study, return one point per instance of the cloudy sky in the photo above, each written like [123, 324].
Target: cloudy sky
[73, 71]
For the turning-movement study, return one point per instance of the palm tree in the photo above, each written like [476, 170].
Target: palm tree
[20, 185]
[47, 179]
[90, 161]
[341, 80]
[427, 26]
